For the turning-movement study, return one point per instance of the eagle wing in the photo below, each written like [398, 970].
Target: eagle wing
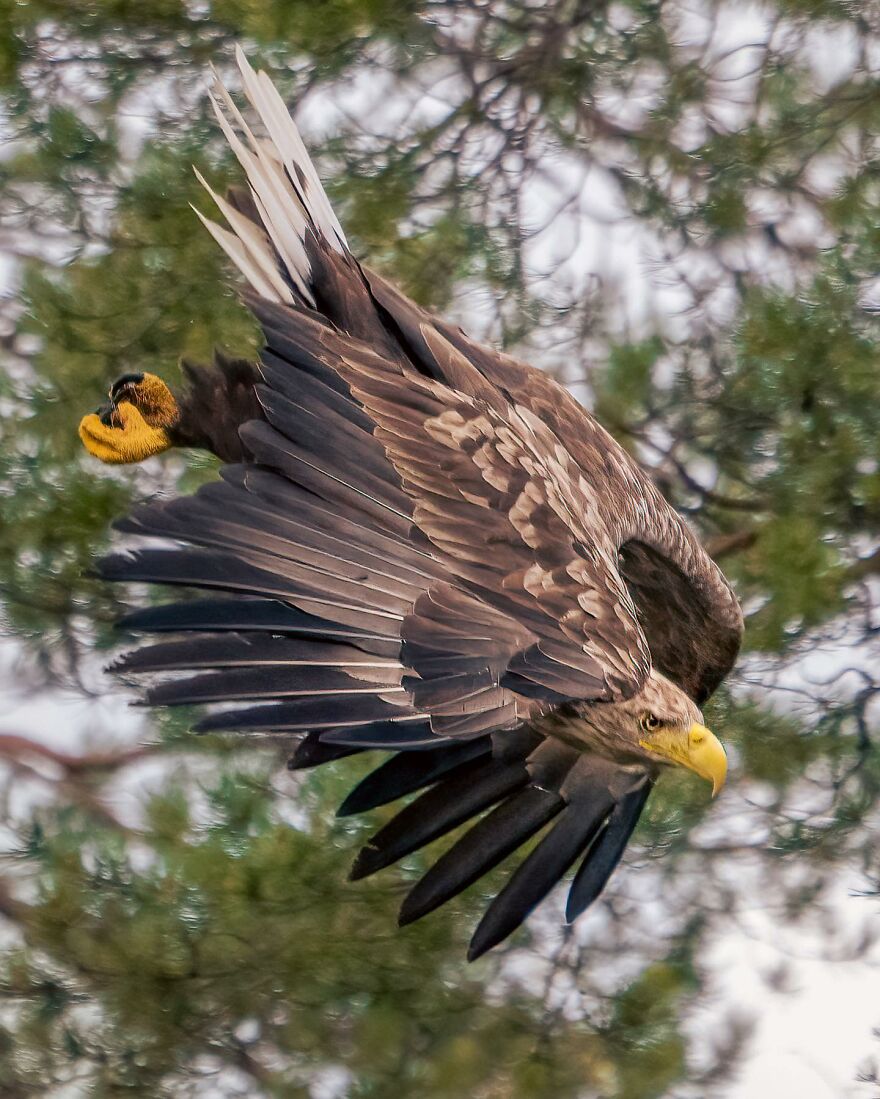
[372, 599]
[419, 556]
[495, 499]
[395, 504]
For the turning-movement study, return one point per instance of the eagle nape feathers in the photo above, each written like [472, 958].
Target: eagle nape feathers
[420, 547]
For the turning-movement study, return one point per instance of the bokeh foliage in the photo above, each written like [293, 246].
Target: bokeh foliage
[211, 946]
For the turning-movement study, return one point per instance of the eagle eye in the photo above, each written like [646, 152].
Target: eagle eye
[650, 722]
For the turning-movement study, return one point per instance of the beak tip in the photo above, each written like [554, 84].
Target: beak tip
[708, 757]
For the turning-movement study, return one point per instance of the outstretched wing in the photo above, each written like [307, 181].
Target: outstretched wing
[344, 622]
[364, 615]
[433, 520]
[414, 560]
[495, 500]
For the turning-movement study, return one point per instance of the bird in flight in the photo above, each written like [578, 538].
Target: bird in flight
[421, 546]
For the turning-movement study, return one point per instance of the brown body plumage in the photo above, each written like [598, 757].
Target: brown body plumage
[426, 547]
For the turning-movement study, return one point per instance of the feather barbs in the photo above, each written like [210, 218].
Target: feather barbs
[285, 188]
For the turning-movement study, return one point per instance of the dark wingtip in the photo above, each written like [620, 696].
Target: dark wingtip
[580, 899]
[347, 809]
[572, 912]
[604, 854]
[312, 752]
[492, 929]
[368, 861]
[404, 919]
[410, 911]
[480, 945]
[110, 567]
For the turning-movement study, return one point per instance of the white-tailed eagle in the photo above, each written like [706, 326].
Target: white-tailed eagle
[421, 546]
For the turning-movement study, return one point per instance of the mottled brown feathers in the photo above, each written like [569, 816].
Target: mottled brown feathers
[426, 546]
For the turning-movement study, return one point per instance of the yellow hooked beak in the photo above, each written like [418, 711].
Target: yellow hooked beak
[698, 749]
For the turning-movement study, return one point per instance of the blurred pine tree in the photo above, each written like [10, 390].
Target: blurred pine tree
[675, 208]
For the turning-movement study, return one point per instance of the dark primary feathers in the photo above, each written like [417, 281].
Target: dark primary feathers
[428, 549]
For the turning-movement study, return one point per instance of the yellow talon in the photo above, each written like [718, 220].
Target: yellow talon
[132, 441]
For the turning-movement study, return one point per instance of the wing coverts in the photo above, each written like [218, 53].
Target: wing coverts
[420, 556]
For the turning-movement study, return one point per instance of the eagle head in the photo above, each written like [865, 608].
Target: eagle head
[657, 726]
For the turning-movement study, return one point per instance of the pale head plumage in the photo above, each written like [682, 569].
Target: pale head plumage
[657, 726]
[619, 727]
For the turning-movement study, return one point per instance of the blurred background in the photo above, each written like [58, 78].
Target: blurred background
[673, 205]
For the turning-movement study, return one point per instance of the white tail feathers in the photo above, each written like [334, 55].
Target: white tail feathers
[285, 188]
